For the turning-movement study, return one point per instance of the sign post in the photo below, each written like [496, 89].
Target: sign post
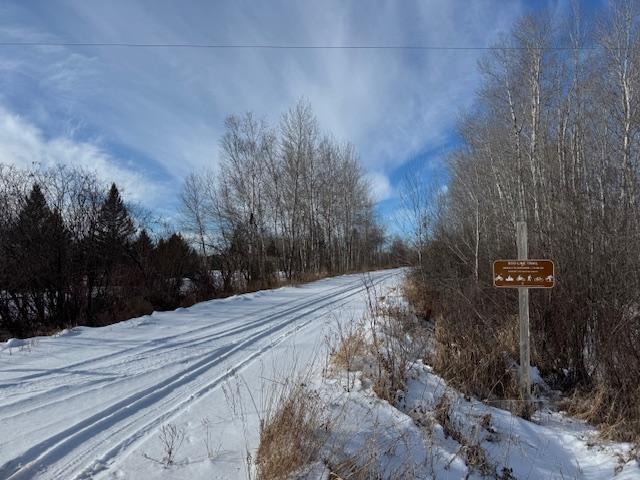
[523, 308]
[523, 274]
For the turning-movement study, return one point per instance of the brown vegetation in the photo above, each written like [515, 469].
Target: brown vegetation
[472, 453]
[477, 357]
[291, 433]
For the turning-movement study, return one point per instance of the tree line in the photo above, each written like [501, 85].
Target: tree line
[72, 253]
[285, 200]
[284, 204]
[554, 140]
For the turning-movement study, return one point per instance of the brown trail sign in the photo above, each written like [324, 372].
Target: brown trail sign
[523, 273]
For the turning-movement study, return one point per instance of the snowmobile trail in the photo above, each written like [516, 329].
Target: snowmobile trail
[93, 396]
[135, 361]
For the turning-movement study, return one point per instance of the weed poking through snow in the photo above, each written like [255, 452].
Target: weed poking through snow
[171, 438]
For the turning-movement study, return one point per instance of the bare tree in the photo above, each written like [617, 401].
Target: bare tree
[552, 139]
[289, 200]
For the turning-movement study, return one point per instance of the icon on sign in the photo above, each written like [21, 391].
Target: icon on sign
[520, 278]
[529, 278]
[549, 278]
[509, 279]
[539, 279]
[499, 278]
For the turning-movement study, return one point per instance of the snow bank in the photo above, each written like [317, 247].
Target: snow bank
[434, 431]
[14, 343]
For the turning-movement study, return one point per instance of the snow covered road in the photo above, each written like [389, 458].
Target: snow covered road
[89, 402]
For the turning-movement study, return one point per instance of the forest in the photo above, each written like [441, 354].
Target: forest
[288, 199]
[553, 140]
[286, 204]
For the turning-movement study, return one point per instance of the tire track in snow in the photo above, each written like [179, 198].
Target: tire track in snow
[26, 379]
[132, 378]
[41, 458]
[10, 410]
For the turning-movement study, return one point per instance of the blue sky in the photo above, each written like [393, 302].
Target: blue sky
[147, 117]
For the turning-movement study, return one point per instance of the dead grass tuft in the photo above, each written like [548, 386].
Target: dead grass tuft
[291, 434]
[351, 469]
[477, 358]
[390, 376]
[421, 301]
[350, 348]
[442, 416]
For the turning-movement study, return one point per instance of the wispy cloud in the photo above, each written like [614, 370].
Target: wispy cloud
[166, 107]
[24, 145]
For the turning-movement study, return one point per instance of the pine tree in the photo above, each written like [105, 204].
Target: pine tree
[174, 260]
[143, 249]
[31, 240]
[115, 226]
[60, 257]
[37, 251]
[143, 246]
[111, 247]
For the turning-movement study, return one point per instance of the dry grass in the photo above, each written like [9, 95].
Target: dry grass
[442, 415]
[611, 411]
[291, 434]
[367, 463]
[475, 341]
[477, 357]
[355, 469]
[382, 361]
[350, 347]
[422, 301]
[390, 347]
[390, 375]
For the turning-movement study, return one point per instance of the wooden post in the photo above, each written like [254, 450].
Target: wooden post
[523, 303]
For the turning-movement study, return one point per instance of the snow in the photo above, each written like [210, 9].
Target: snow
[13, 343]
[18, 343]
[552, 445]
[408, 439]
[89, 402]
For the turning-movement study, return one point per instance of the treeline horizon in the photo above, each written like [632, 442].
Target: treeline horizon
[289, 199]
[74, 254]
[554, 140]
[283, 209]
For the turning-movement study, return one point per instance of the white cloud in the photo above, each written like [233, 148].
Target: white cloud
[379, 185]
[23, 144]
[169, 104]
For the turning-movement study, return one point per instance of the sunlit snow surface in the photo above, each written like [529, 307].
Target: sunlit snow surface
[409, 440]
[88, 403]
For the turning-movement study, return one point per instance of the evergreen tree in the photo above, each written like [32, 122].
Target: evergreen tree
[114, 231]
[115, 226]
[143, 245]
[174, 260]
[143, 249]
[36, 251]
[107, 249]
[61, 271]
